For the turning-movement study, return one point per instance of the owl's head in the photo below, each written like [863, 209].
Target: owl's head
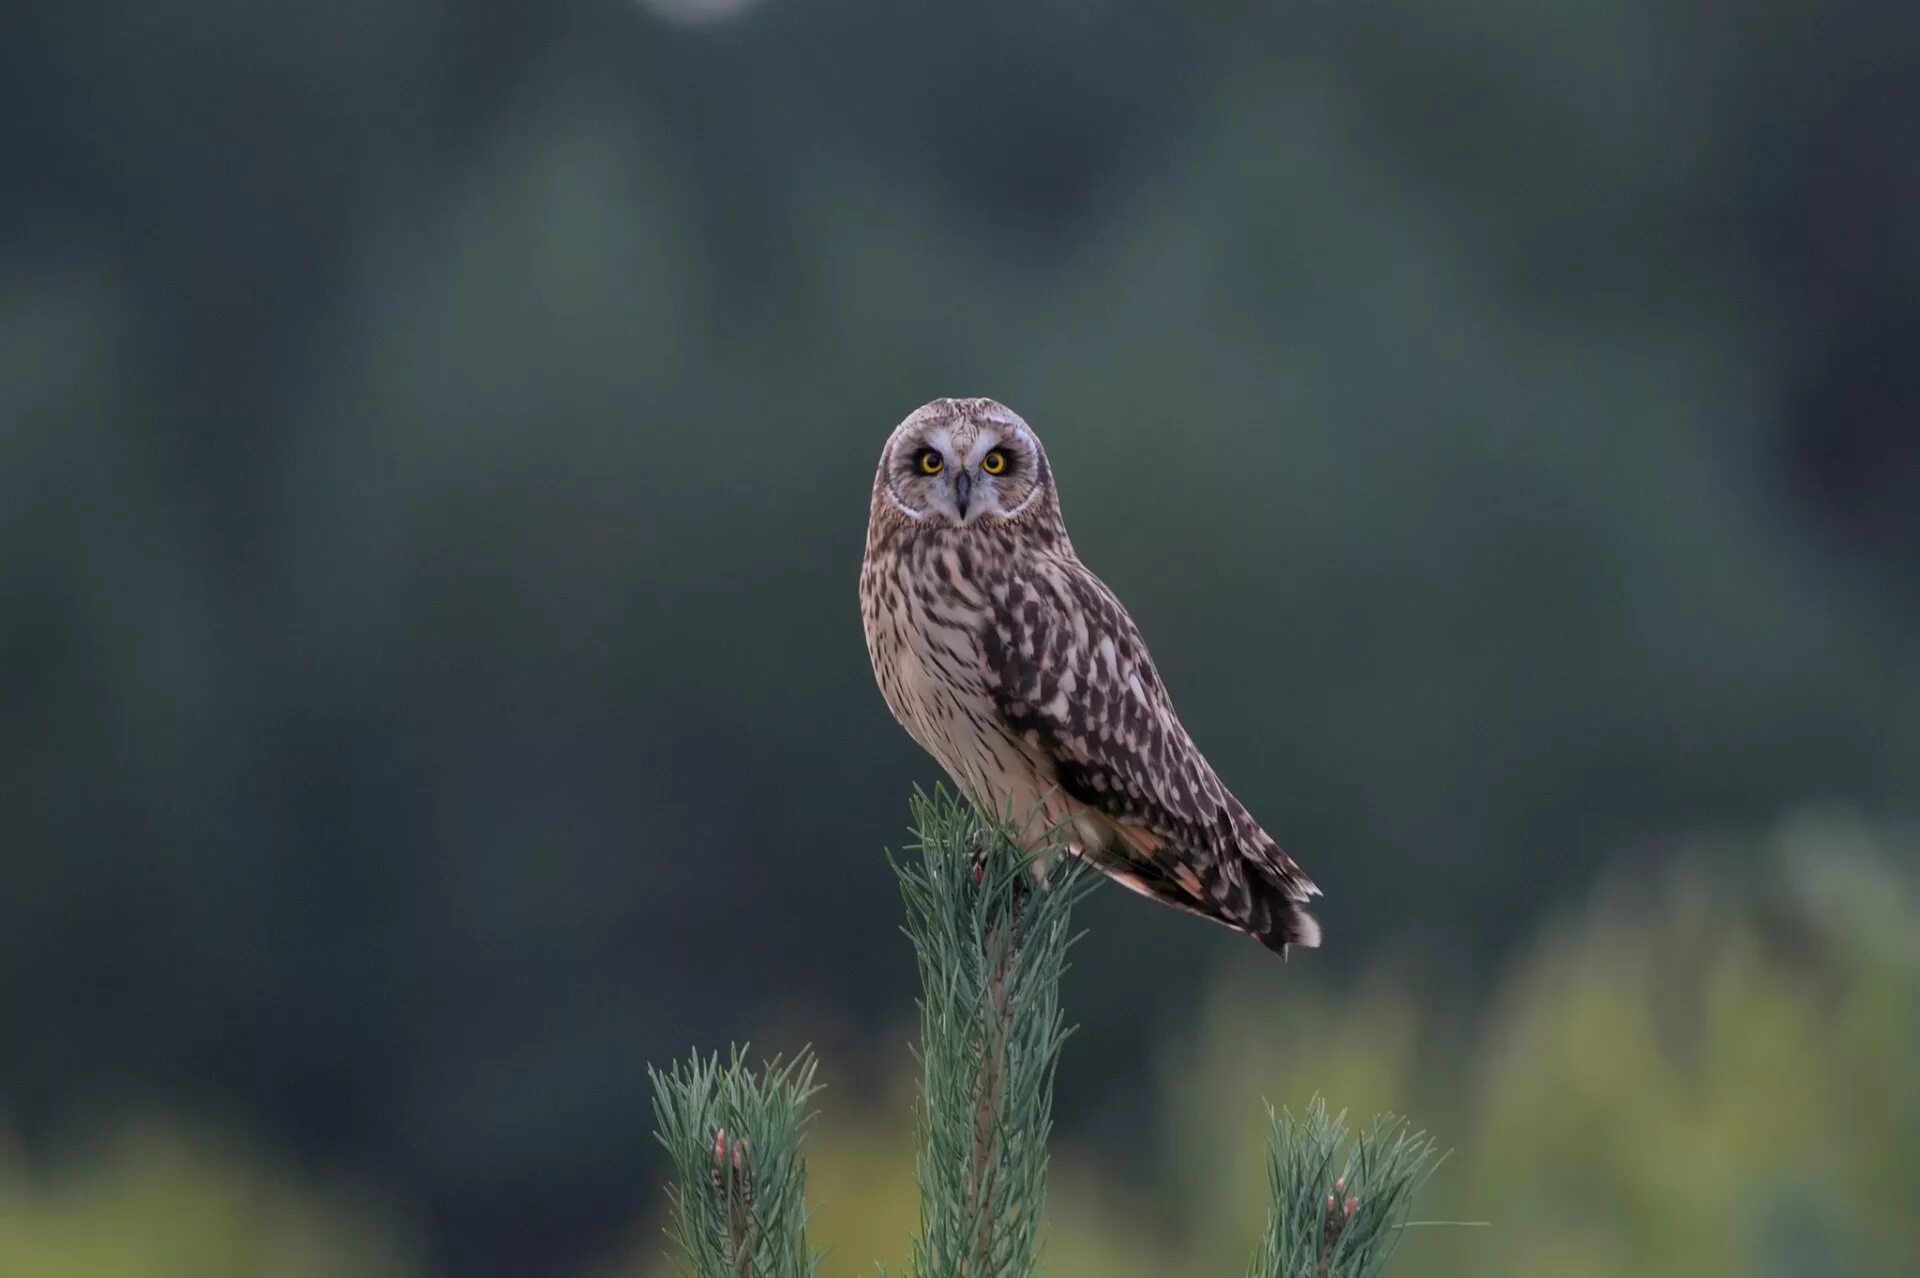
[964, 462]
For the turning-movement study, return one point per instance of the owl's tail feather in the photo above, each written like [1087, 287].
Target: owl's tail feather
[1279, 915]
[1286, 923]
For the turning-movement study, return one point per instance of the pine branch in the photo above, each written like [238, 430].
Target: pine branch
[990, 932]
[734, 1137]
[1340, 1200]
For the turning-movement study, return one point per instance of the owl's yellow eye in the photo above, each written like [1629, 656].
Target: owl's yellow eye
[994, 463]
[931, 463]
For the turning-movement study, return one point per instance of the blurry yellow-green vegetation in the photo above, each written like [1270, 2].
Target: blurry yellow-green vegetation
[1709, 1071]
[159, 1200]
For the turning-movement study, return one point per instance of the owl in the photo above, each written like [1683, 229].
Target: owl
[1020, 673]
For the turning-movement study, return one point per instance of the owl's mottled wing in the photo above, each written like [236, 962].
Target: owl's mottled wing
[1073, 679]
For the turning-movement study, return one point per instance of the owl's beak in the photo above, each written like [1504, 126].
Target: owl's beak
[962, 489]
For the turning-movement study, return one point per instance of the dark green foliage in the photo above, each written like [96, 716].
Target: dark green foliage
[434, 440]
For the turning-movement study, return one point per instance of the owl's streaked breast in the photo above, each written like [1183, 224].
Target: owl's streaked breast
[926, 607]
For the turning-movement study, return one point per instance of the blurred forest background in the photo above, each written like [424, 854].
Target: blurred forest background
[435, 441]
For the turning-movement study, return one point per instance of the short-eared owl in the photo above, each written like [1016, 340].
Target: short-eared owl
[1017, 669]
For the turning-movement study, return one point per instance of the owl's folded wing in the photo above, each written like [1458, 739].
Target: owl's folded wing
[1072, 678]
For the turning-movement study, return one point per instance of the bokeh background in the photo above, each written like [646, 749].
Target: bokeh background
[435, 441]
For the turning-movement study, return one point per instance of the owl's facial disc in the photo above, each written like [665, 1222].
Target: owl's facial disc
[964, 462]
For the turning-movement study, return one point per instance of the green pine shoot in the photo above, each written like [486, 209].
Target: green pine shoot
[990, 931]
[734, 1137]
[1340, 1200]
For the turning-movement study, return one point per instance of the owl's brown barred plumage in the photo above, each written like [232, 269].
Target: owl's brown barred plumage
[1018, 670]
